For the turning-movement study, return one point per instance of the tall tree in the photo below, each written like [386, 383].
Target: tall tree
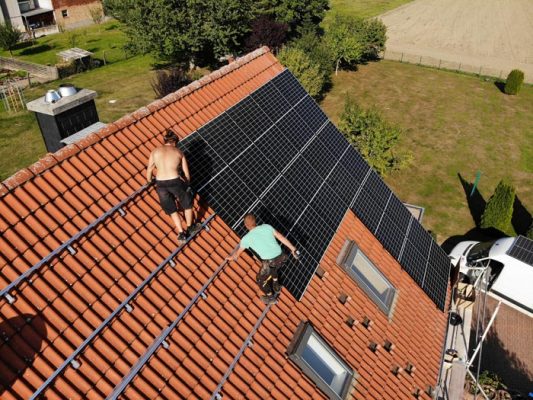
[343, 37]
[184, 30]
[9, 36]
[303, 68]
[293, 12]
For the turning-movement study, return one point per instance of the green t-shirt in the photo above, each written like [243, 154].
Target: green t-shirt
[261, 240]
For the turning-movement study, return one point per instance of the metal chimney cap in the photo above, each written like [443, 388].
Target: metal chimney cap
[66, 103]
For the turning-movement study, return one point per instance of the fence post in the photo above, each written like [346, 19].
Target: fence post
[440, 62]
[105, 63]
[420, 60]
[479, 73]
[401, 59]
[459, 69]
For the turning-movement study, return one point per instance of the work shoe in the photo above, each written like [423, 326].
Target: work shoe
[182, 238]
[269, 299]
[193, 229]
[276, 286]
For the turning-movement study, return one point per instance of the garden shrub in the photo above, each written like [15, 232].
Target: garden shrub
[303, 68]
[514, 82]
[373, 137]
[529, 233]
[499, 209]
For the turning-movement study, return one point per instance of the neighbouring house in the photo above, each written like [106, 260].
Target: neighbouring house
[98, 301]
[43, 17]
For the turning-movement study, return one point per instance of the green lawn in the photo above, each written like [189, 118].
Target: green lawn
[106, 37]
[363, 8]
[455, 124]
[127, 82]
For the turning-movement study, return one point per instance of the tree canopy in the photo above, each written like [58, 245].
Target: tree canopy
[304, 69]
[201, 31]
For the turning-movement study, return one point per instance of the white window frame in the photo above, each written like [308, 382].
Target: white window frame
[349, 254]
[307, 338]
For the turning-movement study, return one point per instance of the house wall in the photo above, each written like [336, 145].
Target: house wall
[78, 12]
[11, 13]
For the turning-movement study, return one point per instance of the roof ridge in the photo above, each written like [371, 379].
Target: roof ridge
[51, 159]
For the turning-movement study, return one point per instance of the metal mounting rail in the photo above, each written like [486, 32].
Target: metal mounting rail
[247, 343]
[124, 305]
[161, 339]
[66, 245]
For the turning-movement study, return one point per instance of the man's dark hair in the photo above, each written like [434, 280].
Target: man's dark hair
[171, 137]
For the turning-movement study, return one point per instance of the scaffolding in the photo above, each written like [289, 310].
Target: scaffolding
[481, 273]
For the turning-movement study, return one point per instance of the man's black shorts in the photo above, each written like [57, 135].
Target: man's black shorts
[171, 190]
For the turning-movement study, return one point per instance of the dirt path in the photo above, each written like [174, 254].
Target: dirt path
[493, 34]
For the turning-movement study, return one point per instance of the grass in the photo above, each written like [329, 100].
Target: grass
[106, 37]
[363, 8]
[455, 124]
[127, 82]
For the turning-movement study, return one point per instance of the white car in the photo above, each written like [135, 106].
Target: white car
[511, 262]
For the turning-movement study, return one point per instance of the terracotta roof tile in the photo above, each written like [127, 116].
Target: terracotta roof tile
[44, 205]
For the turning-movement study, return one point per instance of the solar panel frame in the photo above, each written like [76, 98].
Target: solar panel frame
[277, 148]
[286, 209]
[355, 164]
[333, 140]
[295, 129]
[343, 183]
[303, 178]
[391, 236]
[329, 206]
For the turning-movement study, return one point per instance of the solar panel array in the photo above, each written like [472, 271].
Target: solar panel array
[277, 155]
[522, 249]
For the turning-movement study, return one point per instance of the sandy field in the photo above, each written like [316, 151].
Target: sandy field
[493, 34]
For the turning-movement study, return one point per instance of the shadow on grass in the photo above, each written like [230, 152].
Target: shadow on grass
[522, 219]
[476, 202]
[500, 85]
[35, 50]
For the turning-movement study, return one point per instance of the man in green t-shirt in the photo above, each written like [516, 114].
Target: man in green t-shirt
[263, 241]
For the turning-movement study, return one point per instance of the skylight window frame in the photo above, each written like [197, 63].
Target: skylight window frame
[346, 259]
[303, 334]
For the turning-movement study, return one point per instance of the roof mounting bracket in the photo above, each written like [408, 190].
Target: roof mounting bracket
[207, 228]
[204, 296]
[10, 299]
[172, 263]
[122, 212]
[71, 250]
[75, 364]
[218, 396]
[128, 308]
[165, 344]
[250, 343]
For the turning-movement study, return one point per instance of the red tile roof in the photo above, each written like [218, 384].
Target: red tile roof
[70, 296]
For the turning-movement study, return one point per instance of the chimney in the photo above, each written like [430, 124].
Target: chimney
[62, 114]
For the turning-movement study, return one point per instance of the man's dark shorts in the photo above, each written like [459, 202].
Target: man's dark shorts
[171, 189]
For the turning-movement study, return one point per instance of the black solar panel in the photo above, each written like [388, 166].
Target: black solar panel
[271, 101]
[296, 130]
[203, 161]
[391, 236]
[329, 206]
[225, 137]
[313, 116]
[303, 178]
[249, 117]
[276, 154]
[228, 195]
[319, 157]
[522, 249]
[257, 175]
[333, 140]
[277, 148]
[289, 87]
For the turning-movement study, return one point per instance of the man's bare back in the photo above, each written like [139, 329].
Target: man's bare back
[169, 161]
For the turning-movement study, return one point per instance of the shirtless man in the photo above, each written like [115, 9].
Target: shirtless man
[170, 186]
